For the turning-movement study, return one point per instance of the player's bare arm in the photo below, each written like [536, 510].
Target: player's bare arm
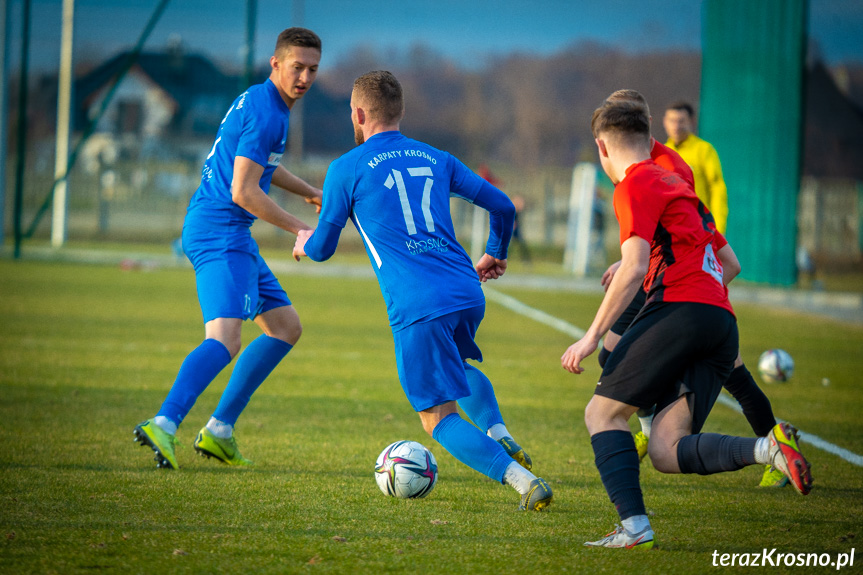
[628, 279]
[296, 185]
[730, 263]
[246, 192]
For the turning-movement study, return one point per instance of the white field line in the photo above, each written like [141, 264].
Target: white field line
[821, 444]
[518, 307]
[562, 326]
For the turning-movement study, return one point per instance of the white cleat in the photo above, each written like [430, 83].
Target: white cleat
[622, 539]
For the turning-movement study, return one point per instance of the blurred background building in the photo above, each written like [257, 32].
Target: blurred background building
[494, 83]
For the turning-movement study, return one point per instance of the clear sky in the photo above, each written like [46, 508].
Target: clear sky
[468, 31]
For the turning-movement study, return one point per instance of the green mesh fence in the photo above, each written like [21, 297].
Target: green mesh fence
[752, 112]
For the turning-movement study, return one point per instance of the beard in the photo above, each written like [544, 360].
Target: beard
[359, 137]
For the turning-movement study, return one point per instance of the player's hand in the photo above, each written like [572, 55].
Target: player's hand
[316, 200]
[571, 358]
[300, 245]
[490, 268]
[609, 274]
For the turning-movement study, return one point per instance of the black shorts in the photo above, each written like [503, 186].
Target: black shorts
[630, 312]
[673, 349]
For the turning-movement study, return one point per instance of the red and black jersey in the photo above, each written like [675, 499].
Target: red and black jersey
[659, 206]
[667, 158]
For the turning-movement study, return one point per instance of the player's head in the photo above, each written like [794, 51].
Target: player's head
[629, 96]
[621, 127]
[377, 98]
[296, 38]
[678, 121]
[622, 120]
[295, 63]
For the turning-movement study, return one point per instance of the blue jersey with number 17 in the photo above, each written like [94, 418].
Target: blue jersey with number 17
[397, 192]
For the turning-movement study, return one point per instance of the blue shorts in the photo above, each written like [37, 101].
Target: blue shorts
[233, 279]
[430, 357]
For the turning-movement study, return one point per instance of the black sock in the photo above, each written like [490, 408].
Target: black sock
[756, 406]
[708, 453]
[617, 462]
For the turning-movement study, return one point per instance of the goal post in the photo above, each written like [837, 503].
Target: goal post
[582, 195]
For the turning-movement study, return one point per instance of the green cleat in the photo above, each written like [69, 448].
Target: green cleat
[641, 442]
[160, 441]
[225, 450]
[773, 478]
[784, 455]
[538, 497]
[515, 451]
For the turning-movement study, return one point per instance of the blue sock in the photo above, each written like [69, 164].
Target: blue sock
[472, 447]
[709, 453]
[199, 368]
[256, 362]
[617, 462]
[481, 405]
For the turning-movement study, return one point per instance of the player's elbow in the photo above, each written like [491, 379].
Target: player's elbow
[319, 255]
[730, 264]
[504, 212]
[634, 272]
[239, 195]
[508, 209]
[639, 270]
[733, 269]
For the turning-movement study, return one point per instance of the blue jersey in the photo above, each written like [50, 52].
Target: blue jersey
[397, 191]
[255, 127]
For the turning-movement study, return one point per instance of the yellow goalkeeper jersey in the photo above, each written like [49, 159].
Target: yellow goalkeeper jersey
[707, 171]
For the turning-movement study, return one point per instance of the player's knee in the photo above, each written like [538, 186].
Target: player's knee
[663, 456]
[587, 418]
[288, 331]
[233, 342]
[293, 332]
[233, 345]
[430, 419]
[228, 332]
[658, 460]
[595, 418]
[429, 423]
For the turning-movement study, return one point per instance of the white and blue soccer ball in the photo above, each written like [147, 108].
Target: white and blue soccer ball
[406, 469]
[775, 366]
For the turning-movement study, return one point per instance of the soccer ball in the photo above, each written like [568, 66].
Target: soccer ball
[406, 469]
[775, 366]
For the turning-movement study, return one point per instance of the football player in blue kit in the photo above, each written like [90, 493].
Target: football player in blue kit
[397, 193]
[233, 280]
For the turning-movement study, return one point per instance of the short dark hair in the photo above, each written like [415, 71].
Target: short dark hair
[683, 107]
[302, 37]
[624, 119]
[382, 95]
[630, 95]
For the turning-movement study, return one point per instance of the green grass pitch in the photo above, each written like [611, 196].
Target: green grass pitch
[87, 352]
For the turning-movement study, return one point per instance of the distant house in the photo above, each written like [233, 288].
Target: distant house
[171, 101]
[164, 96]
